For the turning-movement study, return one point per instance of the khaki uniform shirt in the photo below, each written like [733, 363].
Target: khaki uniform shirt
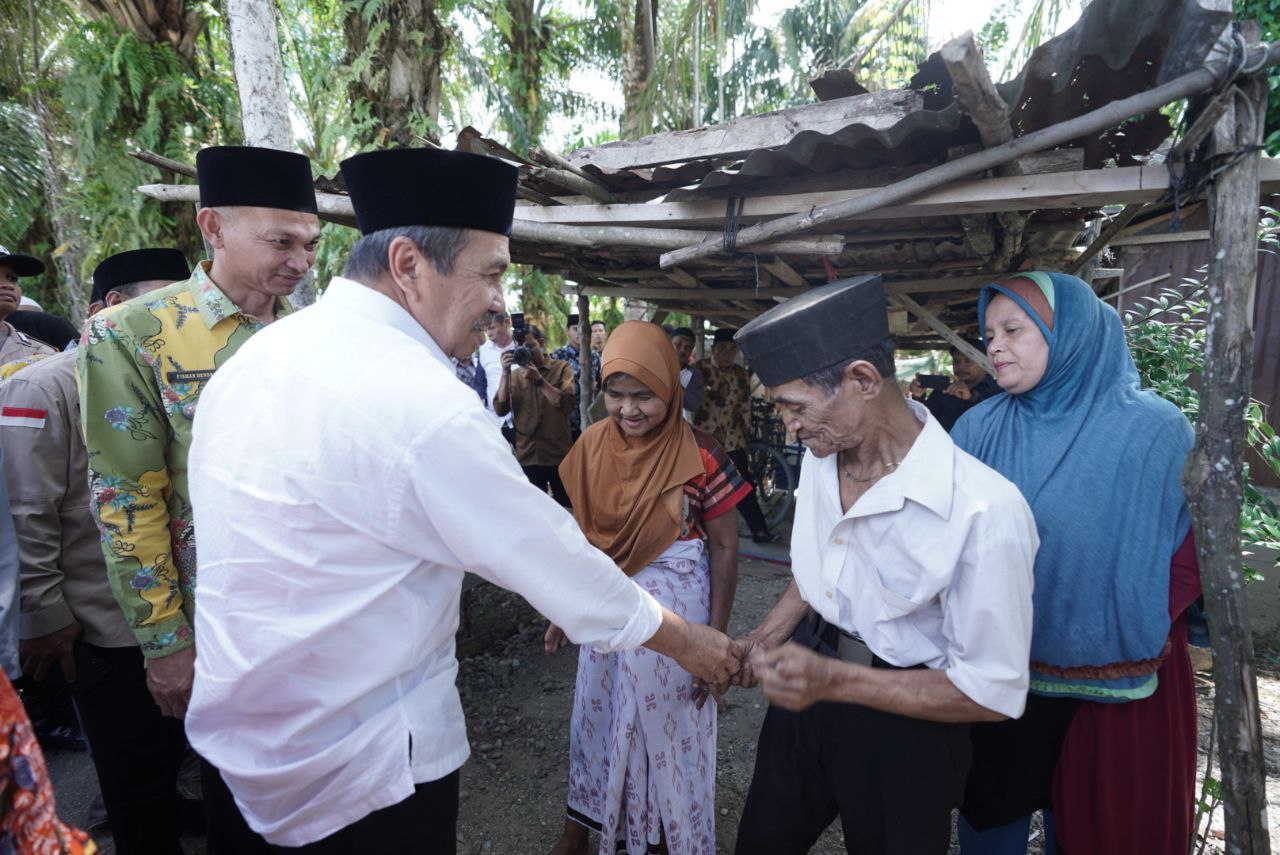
[543, 436]
[726, 405]
[63, 576]
[16, 345]
[143, 365]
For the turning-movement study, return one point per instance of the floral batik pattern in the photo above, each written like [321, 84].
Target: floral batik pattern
[142, 365]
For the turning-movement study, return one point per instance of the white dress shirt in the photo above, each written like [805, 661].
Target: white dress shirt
[491, 361]
[338, 496]
[932, 565]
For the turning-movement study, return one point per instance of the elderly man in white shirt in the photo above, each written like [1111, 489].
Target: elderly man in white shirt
[337, 498]
[909, 614]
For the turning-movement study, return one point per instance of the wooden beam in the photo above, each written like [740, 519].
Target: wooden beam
[683, 278]
[1085, 189]
[571, 181]
[737, 137]
[936, 324]
[785, 273]
[1135, 286]
[1168, 237]
[586, 381]
[1095, 121]
[649, 292]
[1213, 476]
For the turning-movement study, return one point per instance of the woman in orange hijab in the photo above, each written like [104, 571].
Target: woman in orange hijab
[656, 494]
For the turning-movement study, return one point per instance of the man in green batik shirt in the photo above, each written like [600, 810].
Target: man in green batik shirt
[142, 367]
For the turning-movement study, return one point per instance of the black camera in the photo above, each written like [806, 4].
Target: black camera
[934, 381]
[521, 355]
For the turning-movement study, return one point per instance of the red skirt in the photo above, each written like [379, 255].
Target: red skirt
[1125, 780]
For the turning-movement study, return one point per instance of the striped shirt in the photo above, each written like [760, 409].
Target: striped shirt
[717, 491]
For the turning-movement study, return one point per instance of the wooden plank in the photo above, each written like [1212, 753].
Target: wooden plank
[738, 137]
[785, 273]
[1085, 189]
[649, 292]
[1170, 237]
[682, 278]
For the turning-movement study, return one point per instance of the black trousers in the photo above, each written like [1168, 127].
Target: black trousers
[544, 477]
[425, 823]
[226, 832]
[136, 751]
[750, 506]
[892, 780]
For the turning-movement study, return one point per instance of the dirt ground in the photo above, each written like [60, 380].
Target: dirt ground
[517, 703]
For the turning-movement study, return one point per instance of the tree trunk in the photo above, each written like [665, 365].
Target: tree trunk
[264, 100]
[528, 40]
[1214, 471]
[174, 22]
[639, 34]
[400, 81]
[68, 257]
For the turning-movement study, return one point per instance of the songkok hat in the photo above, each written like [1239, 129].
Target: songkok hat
[684, 331]
[820, 328]
[232, 175]
[23, 265]
[724, 334]
[137, 265]
[400, 187]
[574, 319]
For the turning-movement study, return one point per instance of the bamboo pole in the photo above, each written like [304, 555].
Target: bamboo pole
[1092, 122]
[1213, 477]
[586, 382]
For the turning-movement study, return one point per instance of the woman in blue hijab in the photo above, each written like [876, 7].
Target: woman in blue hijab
[1108, 740]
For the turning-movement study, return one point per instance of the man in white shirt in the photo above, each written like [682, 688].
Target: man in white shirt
[909, 614]
[499, 341]
[338, 510]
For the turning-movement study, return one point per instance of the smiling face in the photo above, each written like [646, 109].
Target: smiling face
[1016, 347]
[635, 407]
[828, 422]
[459, 308]
[264, 250]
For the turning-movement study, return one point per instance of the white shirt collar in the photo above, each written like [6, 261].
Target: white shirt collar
[925, 475]
[351, 296]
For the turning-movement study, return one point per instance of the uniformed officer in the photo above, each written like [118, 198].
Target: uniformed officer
[71, 626]
[909, 612]
[143, 367]
[15, 345]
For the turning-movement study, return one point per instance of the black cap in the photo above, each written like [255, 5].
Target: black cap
[820, 328]
[573, 319]
[232, 175]
[430, 187]
[725, 334]
[137, 265]
[684, 331]
[23, 265]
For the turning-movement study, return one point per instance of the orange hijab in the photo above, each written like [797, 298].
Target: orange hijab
[628, 492]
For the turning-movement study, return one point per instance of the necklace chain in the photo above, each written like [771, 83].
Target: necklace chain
[879, 474]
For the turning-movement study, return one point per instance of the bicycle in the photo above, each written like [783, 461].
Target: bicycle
[774, 463]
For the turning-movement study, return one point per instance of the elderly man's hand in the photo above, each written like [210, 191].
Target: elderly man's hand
[796, 678]
[39, 655]
[753, 659]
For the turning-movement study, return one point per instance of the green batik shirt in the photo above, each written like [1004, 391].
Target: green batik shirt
[142, 365]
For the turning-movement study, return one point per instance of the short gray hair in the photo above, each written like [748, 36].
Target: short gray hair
[440, 244]
[829, 380]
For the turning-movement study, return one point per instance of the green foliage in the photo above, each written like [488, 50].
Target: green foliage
[1167, 339]
[1267, 14]
[20, 171]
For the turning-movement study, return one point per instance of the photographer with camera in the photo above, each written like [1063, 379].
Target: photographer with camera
[538, 392]
[948, 400]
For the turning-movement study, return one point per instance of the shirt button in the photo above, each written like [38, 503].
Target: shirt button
[839, 541]
[830, 595]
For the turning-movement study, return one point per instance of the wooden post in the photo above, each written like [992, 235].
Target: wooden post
[586, 383]
[1213, 472]
[699, 337]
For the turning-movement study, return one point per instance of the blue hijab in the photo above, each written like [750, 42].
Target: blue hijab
[1100, 462]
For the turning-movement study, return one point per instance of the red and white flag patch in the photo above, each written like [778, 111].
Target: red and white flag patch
[22, 417]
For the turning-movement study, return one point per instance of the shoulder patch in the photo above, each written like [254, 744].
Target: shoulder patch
[22, 417]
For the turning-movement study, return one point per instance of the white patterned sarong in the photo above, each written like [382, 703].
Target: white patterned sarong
[642, 760]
